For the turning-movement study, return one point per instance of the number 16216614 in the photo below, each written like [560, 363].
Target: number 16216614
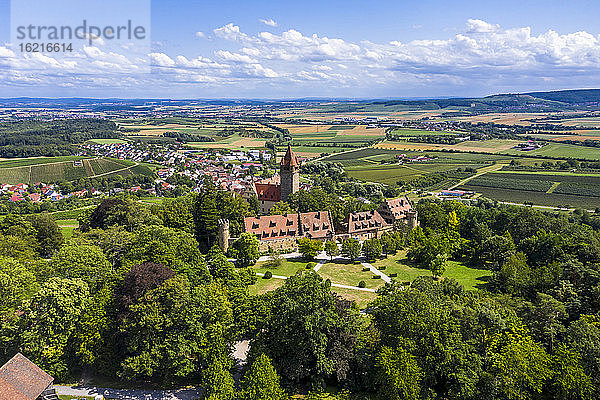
[46, 47]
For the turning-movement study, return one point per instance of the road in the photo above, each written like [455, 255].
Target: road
[130, 394]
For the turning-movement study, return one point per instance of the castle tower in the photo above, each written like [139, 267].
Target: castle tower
[289, 173]
[223, 234]
[412, 218]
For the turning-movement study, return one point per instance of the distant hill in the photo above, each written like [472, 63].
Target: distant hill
[576, 96]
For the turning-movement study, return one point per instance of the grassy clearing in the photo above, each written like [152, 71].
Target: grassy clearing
[288, 268]
[361, 297]
[470, 278]
[349, 274]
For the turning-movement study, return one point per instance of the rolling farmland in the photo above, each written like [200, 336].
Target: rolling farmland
[53, 169]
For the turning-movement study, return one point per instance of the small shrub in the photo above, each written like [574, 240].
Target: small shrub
[310, 265]
[268, 275]
[393, 275]
[366, 269]
[381, 268]
[362, 284]
[376, 276]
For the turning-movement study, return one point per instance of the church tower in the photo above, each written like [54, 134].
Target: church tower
[289, 173]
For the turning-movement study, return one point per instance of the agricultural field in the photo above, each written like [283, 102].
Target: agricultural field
[552, 188]
[560, 150]
[47, 170]
[485, 146]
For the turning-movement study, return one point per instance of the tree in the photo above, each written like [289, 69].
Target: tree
[310, 333]
[140, 279]
[83, 261]
[280, 208]
[372, 249]
[398, 375]
[331, 249]
[438, 265]
[496, 251]
[48, 322]
[17, 284]
[47, 233]
[178, 213]
[309, 248]
[351, 248]
[571, 380]
[261, 382]
[521, 366]
[175, 249]
[246, 249]
[218, 382]
[121, 211]
[176, 331]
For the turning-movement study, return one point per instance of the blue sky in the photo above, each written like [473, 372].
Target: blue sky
[352, 49]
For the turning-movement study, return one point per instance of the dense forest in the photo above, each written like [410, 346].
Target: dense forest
[53, 138]
[142, 294]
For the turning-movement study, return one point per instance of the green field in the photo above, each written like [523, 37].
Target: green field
[349, 274]
[470, 278]
[548, 188]
[422, 132]
[108, 141]
[57, 169]
[560, 150]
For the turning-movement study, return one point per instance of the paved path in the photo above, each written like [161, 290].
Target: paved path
[130, 394]
[332, 284]
[319, 265]
[374, 270]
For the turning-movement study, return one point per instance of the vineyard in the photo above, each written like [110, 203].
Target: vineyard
[60, 170]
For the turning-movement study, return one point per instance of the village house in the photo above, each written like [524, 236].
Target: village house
[20, 379]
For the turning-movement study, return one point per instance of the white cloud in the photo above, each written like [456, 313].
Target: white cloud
[483, 54]
[200, 34]
[269, 22]
[161, 59]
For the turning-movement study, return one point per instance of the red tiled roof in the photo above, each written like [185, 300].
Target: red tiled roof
[365, 221]
[289, 159]
[272, 226]
[398, 207]
[20, 379]
[316, 225]
[268, 192]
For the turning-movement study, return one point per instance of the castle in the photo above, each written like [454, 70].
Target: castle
[280, 232]
[289, 182]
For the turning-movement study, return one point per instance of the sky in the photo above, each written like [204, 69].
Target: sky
[283, 49]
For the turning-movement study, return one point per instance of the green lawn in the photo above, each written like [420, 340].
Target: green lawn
[361, 297]
[349, 274]
[265, 285]
[288, 268]
[470, 278]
